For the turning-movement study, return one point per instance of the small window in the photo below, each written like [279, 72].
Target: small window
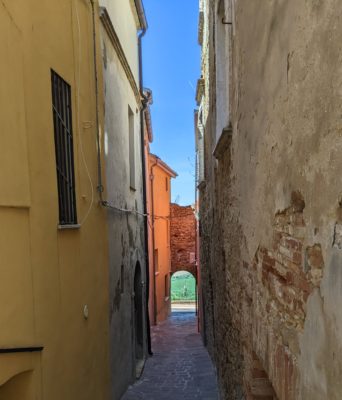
[167, 286]
[167, 184]
[167, 232]
[131, 149]
[156, 261]
[62, 120]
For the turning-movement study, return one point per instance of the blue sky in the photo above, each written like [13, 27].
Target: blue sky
[171, 59]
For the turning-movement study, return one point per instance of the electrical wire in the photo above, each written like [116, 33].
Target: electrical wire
[123, 210]
[80, 132]
[130, 211]
[104, 203]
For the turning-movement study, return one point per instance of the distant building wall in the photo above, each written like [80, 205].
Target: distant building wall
[183, 239]
[160, 257]
[151, 301]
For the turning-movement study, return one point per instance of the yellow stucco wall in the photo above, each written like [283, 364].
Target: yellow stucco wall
[48, 275]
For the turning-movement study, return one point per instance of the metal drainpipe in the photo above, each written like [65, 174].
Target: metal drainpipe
[143, 162]
[99, 166]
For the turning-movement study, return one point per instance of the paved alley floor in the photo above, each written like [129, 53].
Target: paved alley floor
[180, 368]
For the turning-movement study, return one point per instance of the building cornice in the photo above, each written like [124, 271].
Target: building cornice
[199, 90]
[223, 143]
[200, 28]
[141, 14]
[108, 25]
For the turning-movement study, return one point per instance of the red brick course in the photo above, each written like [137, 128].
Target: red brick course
[183, 239]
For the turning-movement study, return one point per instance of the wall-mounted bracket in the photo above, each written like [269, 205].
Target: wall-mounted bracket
[226, 22]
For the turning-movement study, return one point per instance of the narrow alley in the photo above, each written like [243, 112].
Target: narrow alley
[171, 200]
[180, 367]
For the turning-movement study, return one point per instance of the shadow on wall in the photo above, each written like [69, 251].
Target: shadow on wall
[138, 314]
[18, 387]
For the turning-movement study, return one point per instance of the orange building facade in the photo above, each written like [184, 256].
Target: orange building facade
[158, 205]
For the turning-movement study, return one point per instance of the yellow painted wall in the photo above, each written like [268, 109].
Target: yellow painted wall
[48, 275]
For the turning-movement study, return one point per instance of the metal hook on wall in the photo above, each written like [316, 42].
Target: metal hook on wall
[226, 22]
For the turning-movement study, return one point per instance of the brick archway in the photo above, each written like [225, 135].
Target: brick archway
[191, 269]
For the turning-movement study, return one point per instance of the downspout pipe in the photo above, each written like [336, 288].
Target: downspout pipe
[142, 33]
[98, 142]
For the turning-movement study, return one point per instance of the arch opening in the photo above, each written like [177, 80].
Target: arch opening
[183, 292]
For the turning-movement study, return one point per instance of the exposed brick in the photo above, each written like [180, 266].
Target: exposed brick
[314, 256]
[183, 239]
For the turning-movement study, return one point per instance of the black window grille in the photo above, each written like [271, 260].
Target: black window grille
[62, 119]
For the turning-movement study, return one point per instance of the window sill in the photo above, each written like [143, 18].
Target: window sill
[156, 273]
[71, 226]
[201, 185]
[223, 142]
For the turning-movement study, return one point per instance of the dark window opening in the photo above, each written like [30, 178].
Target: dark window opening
[62, 120]
[156, 260]
[167, 287]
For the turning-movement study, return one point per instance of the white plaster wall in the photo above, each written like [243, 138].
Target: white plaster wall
[321, 342]
[123, 17]
[126, 230]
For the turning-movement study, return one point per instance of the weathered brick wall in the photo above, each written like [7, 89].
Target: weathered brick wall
[276, 287]
[270, 207]
[183, 239]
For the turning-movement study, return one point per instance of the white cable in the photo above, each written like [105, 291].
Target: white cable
[78, 117]
[124, 210]
[129, 211]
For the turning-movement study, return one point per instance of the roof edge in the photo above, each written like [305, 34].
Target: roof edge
[141, 14]
[164, 166]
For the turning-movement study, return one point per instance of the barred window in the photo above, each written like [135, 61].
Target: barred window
[62, 120]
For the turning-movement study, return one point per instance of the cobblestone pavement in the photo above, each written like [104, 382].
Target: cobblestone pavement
[180, 368]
